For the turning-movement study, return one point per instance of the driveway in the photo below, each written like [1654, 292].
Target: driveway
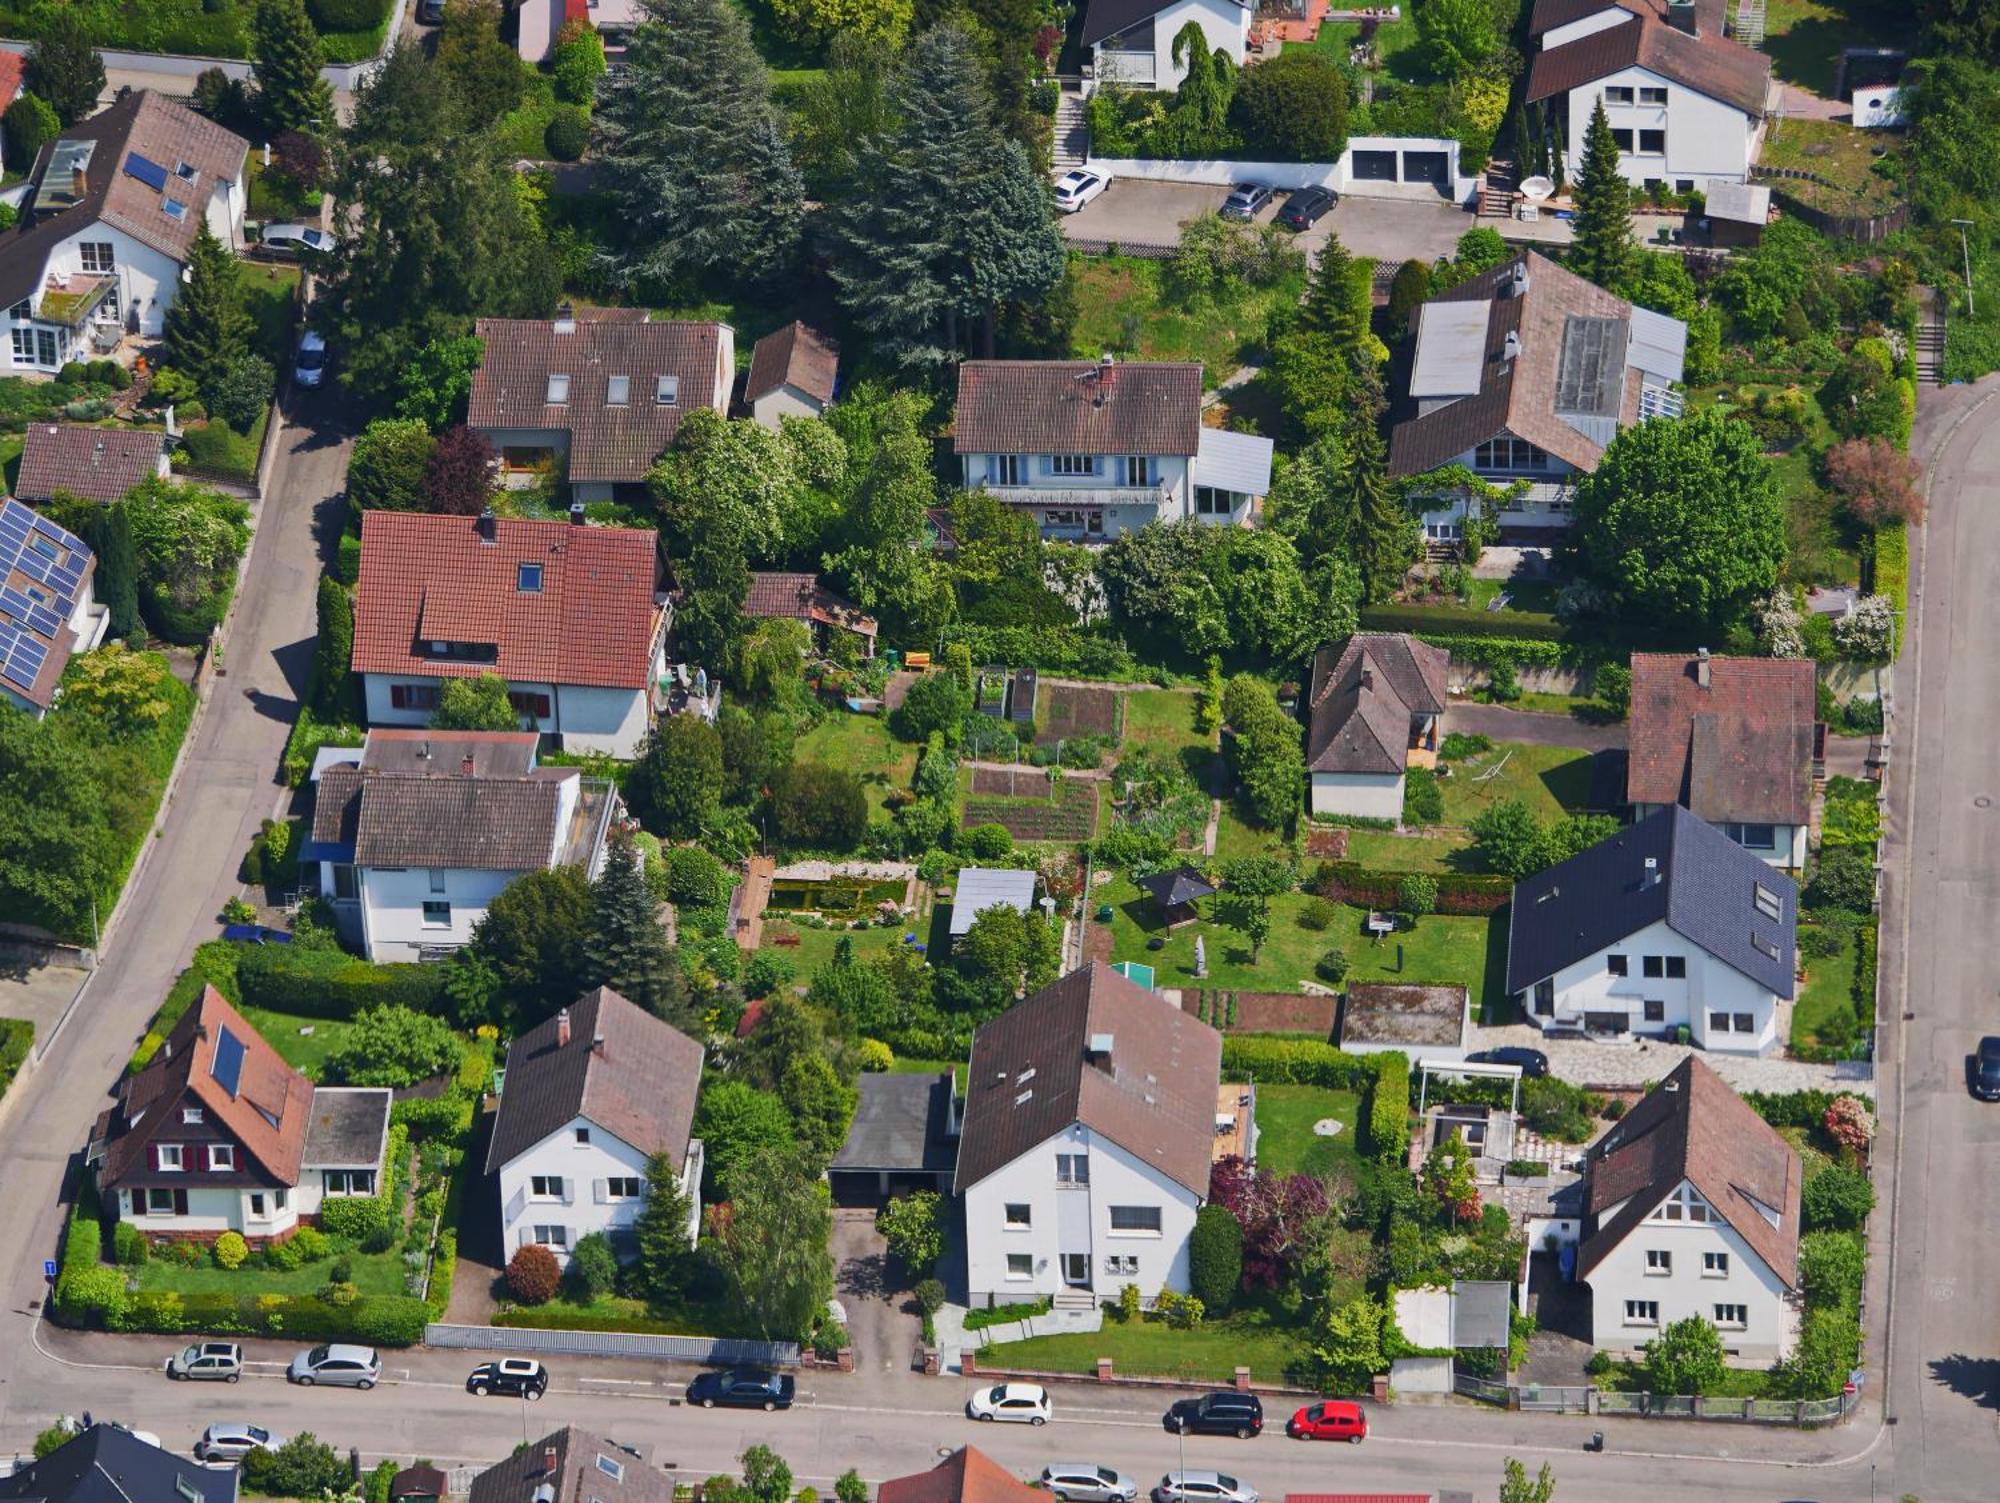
[1134, 211]
[1609, 1064]
[881, 1316]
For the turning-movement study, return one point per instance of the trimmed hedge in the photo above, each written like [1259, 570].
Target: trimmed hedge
[1051, 649]
[330, 984]
[1517, 652]
[373, 1319]
[1385, 1078]
[1469, 620]
[1367, 887]
[1388, 1139]
[17, 1036]
[558, 1317]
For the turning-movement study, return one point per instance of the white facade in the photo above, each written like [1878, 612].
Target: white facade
[1358, 795]
[786, 401]
[1669, 135]
[578, 1180]
[411, 913]
[1043, 1224]
[1664, 1271]
[1143, 56]
[1546, 508]
[254, 1212]
[587, 718]
[1088, 495]
[542, 19]
[1784, 845]
[1725, 1010]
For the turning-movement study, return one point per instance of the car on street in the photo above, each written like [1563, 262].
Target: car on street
[228, 1440]
[509, 1377]
[207, 1362]
[1329, 1419]
[309, 369]
[1305, 207]
[1022, 1403]
[1533, 1063]
[1245, 201]
[1086, 1482]
[1986, 1069]
[337, 1365]
[1223, 1413]
[743, 1388]
[1203, 1487]
[1078, 187]
[292, 241]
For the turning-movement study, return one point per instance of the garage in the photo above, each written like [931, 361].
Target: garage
[1426, 167]
[904, 1137]
[1375, 166]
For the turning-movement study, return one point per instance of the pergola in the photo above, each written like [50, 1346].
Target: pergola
[1177, 891]
[1465, 1068]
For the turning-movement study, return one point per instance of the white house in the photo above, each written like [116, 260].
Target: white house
[1377, 709]
[48, 612]
[418, 834]
[1730, 739]
[1686, 102]
[1089, 1128]
[1094, 450]
[542, 20]
[104, 236]
[588, 1098]
[1524, 374]
[1131, 42]
[571, 616]
[793, 373]
[1665, 925]
[1692, 1208]
[218, 1134]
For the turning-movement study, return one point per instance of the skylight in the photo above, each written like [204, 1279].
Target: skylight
[615, 1470]
[1764, 947]
[174, 208]
[529, 581]
[667, 391]
[619, 391]
[558, 390]
[1769, 903]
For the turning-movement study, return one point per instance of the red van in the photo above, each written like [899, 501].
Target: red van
[1329, 1419]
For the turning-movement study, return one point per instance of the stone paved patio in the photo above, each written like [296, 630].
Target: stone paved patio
[1631, 1064]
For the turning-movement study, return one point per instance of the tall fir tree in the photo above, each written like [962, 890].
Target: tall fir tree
[63, 68]
[207, 330]
[1602, 249]
[484, 72]
[118, 571]
[1338, 297]
[290, 93]
[626, 948]
[334, 651]
[1385, 534]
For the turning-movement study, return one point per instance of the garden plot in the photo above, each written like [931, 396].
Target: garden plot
[1077, 710]
[1030, 806]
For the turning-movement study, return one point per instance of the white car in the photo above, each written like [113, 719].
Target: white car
[232, 1442]
[1203, 1487]
[1079, 186]
[1026, 1403]
[293, 241]
[309, 369]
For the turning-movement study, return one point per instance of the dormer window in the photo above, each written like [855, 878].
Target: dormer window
[529, 579]
[618, 391]
[558, 390]
[668, 391]
[187, 172]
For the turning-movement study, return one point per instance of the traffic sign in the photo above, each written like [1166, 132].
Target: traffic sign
[49, 1268]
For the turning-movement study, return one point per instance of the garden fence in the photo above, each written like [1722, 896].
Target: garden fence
[708, 1351]
[1143, 249]
[1553, 1399]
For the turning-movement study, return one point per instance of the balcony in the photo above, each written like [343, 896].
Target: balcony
[74, 299]
[1082, 496]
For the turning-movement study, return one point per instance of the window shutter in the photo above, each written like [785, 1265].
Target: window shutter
[569, 1192]
[180, 1202]
[600, 1191]
[152, 1155]
[198, 1159]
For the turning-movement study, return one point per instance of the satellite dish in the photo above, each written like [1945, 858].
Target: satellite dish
[1536, 189]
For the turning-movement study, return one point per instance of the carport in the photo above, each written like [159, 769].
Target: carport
[904, 1137]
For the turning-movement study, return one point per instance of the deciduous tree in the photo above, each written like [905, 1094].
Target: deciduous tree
[1292, 107]
[675, 786]
[386, 466]
[458, 475]
[479, 703]
[773, 1242]
[394, 1046]
[63, 68]
[1875, 481]
[532, 938]
[735, 1121]
[1685, 1358]
[483, 72]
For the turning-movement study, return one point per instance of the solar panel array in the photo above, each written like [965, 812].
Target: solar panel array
[146, 170]
[51, 560]
[227, 1064]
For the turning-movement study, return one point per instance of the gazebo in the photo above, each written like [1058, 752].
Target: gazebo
[1176, 892]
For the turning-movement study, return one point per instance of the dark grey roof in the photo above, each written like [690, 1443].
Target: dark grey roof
[1480, 1311]
[577, 1467]
[1183, 884]
[108, 1465]
[901, 1122]
[1703, 884]
[349, 1125]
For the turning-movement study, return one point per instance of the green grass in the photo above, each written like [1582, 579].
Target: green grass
[216, 448]
[270, 297]
[1536, 595]
[1124, 305]
[1162, 721]
[1236, 835]
[1385, 850]
[615, 1312]
[1735, 1382]
[1826, 1002]
[521, 128]
[203, 28]
[1804, 37]
[374, 1273]
[902, 1066]
[863, 745]
[1844, 156]
[1286, 1142]
[815, 947]
[1551, 780]
[1262, 1336]
[274, 198]
[1821, 549]
[750, 313]
[305, 1053]
[1396, 44]
[11, 445]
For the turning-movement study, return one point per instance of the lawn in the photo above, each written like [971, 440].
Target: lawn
[1162, 721]
[374, 1273]
[1551, 780]
[1236, 835]
[1846, 157]
[1536, 595]
[1286, 1142]
[1396, 44]
[1260, 1336]
[521, 129]
[815, 947]
[1123, 306]
[861, 744]
[216, 448]
[306, 1053]
[271, 298]
[901, 1066]
[1385, 850]
[1823, 1014]
[274, 198]
[1804, 37]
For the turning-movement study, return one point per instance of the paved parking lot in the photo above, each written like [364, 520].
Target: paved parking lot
[1137, 212]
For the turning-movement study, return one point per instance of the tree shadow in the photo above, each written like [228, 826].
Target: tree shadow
[1975, 1378]
[1497, 1006]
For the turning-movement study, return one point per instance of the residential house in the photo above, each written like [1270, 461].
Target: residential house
[13, 68]
[48, 612]
[571, 616]
[569, 1466]
[1692, 1208]
[1730, 739]
[1686, 101]
[1377, 708]
[418, 834]
[1090, 1125]
[1131, 42]
[592, 397]
[218, 1134]
[541, 21]
[793, 373]
[801, 597]
[589, 1097]
[103, 238]
[92, 464]
[109, 1464]
[1526, 373]
[967, 1475]
[1093, 450]
[979, 888]
[1666, 925]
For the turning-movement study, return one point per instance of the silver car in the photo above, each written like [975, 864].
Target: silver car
[232, 1442]
[1203, 1487]
[207, 1361]
[336, 1365]
[1084, 1482]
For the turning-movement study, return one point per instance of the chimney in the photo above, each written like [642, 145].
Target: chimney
[562, 1029]
[1681, 16]
[1367, 676]
[1520, 279]
[565, 317]
[597, 1043]
[1510, 348]
[423, 751]
[79, 181]
[549, 1452]
[1704, 669]
[1105, 369]
[485, 526]
[576, 514]
[465, 764]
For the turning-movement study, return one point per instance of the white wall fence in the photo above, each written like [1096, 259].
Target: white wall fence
[1380, 166]
[1553, 1399]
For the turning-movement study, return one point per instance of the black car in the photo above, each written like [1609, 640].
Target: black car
[509, 1376]
[1534, 1064]
[430, 12]
[1305, 207]
[1986, 1069]
[742, 1388]
[1230, 1413]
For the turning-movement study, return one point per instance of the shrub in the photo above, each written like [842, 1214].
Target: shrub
[1843, 877]
[567, 134]
[231, 1250]
[1389, 1108]
[935, 702]
[239, 395]
[991, 842]
[1828, 1346]
[1685, 1358]
[283, 1256]
[385, 468]
[1837, 1198]
[1423, 799]
[577, 63]
[876, 1056]
[1613, 687]
[695, 877]
[355, 1217]
[129, 1244]
[913, 1227]
[303, 1467]
[593, 1267]
[1503, 684]
[1417, 894]
[765, 972]
[347, 15]
[532, 1275]
[1832, 1266]
[1458, 745]
[332, 984]
[1317, 914]
[1332, 966]
[1215, 1257]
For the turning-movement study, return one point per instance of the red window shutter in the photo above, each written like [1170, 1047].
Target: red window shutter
[198, 1158]
[398, 697]
[152, 1155]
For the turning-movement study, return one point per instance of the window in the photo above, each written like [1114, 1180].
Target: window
[1654, 95]
[191, 1114]
[1683, 1205]
[558, 390]
[1072, 1168]
[256, 1203]
[343, 882]
[1745, 1023]
[25, 309]
[625, 1187]
[1019, 1216]
[174, 208]
[1769, 903]
[1123, 1264]
[437, 913]
[1642, 1312]
[615, 1470]
[1211, 502]
[1677, 968]
[347, 1182]
[583, 1135]
[1138, 470]
[45, 347]
[1656, 1010]
[618, 391]
[187, 172]
[545, 1186]
[1653, 142]
[1618, 965]
[1659, 1262]
[96, 256]
[413, 696]
[667, 391]
[24, 346]
[1623, 138]
[1715, 1265]
[528, 579]
[1753, 837]
[1683, 185]
[1006, 469]
[159, 1202]
[1020, 1265]
[221, 1156]
[552, 1236]
[170, 1157]
[1732, 1315]
[1545, 999]
[1655, 966]
[1718, 1022]
[1508, 454]
[280, 1199]
[437, 879]
[1618, 94]
[1136, 1219]
[529, 703]
[1072, 464]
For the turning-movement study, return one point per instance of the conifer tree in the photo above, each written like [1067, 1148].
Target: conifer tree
[626, 949]
[63, 68]
[207, 330]
[335, 649]
[118, 571]
[1338, 298]
[1385, 535]
[290, 93]
[1602, 249]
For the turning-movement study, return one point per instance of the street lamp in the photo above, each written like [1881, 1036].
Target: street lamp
[1965, 250]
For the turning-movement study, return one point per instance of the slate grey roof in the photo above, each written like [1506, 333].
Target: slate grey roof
[571, 1463]
[641, 1088]
[108, 1465]
[348, 1127]
[982, 887]
[1480, 1311]
[1365, 692]
[1704, 885]
[901, 1123]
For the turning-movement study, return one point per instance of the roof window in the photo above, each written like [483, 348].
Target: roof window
[558, 390]
[667, 392]
[1769, 903]
[615, 1470]
[618, 392]
[187, 172]
[529, 579]
[1764, 947]
[174, 208]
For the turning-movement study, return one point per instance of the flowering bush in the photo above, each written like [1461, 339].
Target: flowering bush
[1848, 1123]
[1276, 1211]
[1869, 632]
[1780, 628]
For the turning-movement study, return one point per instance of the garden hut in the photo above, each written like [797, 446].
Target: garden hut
[1177, 892]
[418, 1484]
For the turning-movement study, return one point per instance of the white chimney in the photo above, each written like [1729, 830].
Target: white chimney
[1510, 348]
[1704, 671]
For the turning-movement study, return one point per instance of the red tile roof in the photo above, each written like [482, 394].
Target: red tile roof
[428, 578]
[1740, 749]
[13, 65]
[1077, 407]
[96, 464]
[801, 597]
[793, 356]
[968, 1475]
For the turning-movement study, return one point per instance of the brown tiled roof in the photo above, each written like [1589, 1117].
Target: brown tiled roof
[567, 1463]
[606, 443]
[1154, 1096]
[1364, 692]
[419, 751]
[793, 356]
[1693, 1127]
[483, 824]
[424, 578]
[1740, 749]
[641, 1088]
[1710, 63]
[1077, 407]
[801, 597]
[968, 1475]
[1549, 14]
[96, 464]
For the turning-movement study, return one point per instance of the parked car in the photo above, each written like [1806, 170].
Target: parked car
[230, 1441]
[292, 241]
[1534, 1064]
[1085, 1482]
[309, 369]
[743, 1388]
[1224, 1413]
[1304, 208]
[430, 12]
[1986, 1069]
[1078, 187]
[1245, 201]
[509, 1376]
[207, 1362]
[255, 934]
[337, 1365]
[1021, 1402]
[1203, 1487]
[1330, 1419]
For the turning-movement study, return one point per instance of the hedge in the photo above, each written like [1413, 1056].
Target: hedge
[308, 735]
[1385, 1078]
[557, 1317]
[331, 984]
[1388, 1139]
[1468, 620]
[1518, 652]
[1797, 1108]
[1367, 887]
[373, 1319]
[17, 1036]
[214, 965]
[1892, 572]
[1051, 649]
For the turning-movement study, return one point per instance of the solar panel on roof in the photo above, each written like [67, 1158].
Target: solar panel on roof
[227, 1066]
[45, 622]
[146, 170]
[1590, 370]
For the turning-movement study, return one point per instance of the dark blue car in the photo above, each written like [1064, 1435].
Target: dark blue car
[256, 934]
[742, 1388]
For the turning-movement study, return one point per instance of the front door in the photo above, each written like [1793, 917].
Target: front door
[1076, 1269]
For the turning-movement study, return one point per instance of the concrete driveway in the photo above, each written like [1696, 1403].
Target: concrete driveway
[1133, 211]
